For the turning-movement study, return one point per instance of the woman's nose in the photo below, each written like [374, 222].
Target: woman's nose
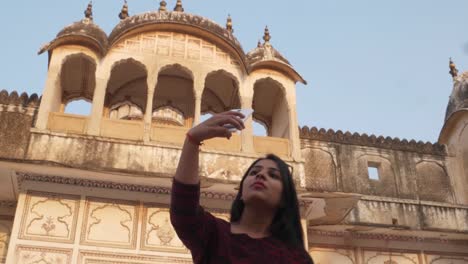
[260, 174]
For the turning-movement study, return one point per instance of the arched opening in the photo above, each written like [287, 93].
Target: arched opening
[73, 105]
[221, 93]
[272, 112]
[78, 78]
[78, 107]
[259, 129]
[125, 101]
[126, 88]
[173, 105]
[271, 107]
[174, 96]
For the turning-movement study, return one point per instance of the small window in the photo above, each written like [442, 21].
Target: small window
[78, 107]
[373, 172]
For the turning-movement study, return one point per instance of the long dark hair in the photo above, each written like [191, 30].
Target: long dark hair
[286, 225]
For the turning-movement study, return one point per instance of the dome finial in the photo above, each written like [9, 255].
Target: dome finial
[162, 6]
[89, 11]
[229, 24]
[259, 44]
[267, 36]
[178, 7]
[453, 69]
[124, 12]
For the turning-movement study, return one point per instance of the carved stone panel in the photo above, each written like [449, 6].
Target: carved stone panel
[5, 232]
[433, 182]
[157, 231]
[379, 257]
[110, 223]
[40, 255]
[320, 169]
[50, 217]
[91, 257]
[175, 45]
[441, 259]
[332, 256]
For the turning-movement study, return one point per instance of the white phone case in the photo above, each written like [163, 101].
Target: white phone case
[246, 112]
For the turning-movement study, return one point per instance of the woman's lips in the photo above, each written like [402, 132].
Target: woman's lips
[258, 185]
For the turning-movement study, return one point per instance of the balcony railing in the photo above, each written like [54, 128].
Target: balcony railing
[67, 123]
[122, 129]
[166, 134]
[265, 145]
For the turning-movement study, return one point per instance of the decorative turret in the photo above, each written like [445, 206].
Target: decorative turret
[84, 32]
[264, 55]
[178, 7]
[229, 24]
[162, 6]
[124, 12]
[453, 69]
[267, 36]
[89, 11]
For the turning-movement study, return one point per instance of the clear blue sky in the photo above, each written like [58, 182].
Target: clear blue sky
[379, 67]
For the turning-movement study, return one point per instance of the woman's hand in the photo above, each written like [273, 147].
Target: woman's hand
[214, 126]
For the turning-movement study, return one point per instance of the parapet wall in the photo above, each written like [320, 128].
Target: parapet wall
[17, 113]
[339, 162]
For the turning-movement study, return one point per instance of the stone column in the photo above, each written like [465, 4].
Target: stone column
[152, 81]
[247, 134]
[95, 119]
[199, 85]
[52, 93]
[306, 237]
[294, 133]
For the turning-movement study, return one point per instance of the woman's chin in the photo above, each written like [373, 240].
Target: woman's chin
[258, 199]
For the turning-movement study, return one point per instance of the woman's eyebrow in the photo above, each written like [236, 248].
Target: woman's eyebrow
[261, 167]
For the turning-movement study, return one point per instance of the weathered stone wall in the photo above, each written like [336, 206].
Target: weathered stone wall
[137, 158]
[339, 162]
[16, 118]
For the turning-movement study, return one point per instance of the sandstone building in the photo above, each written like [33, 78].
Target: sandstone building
[95, 189]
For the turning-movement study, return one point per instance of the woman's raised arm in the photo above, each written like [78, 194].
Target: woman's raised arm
[187, 170]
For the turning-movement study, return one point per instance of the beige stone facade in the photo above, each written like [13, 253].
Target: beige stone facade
[96, 189]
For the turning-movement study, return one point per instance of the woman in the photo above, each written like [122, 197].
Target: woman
[265, 224]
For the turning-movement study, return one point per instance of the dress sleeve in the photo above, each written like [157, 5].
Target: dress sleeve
[195, 227]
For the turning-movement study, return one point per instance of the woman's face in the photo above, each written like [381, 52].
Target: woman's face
[263, 184]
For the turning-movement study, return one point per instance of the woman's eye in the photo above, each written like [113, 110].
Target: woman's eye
[253, 172]
[274, 176]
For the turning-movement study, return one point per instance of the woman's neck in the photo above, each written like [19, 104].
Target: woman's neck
[254, 222]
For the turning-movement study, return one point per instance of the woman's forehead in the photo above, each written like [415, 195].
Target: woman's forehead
[266, 163]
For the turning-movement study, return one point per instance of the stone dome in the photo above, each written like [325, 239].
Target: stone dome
[459, 97]
[264, 53]
[84, 32]
[266, 56]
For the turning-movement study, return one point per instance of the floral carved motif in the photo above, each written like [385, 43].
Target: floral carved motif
[110, 222]
[158, 233]
[49, 217]
[5, 232]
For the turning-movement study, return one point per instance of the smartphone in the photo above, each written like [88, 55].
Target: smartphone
[246, 112]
